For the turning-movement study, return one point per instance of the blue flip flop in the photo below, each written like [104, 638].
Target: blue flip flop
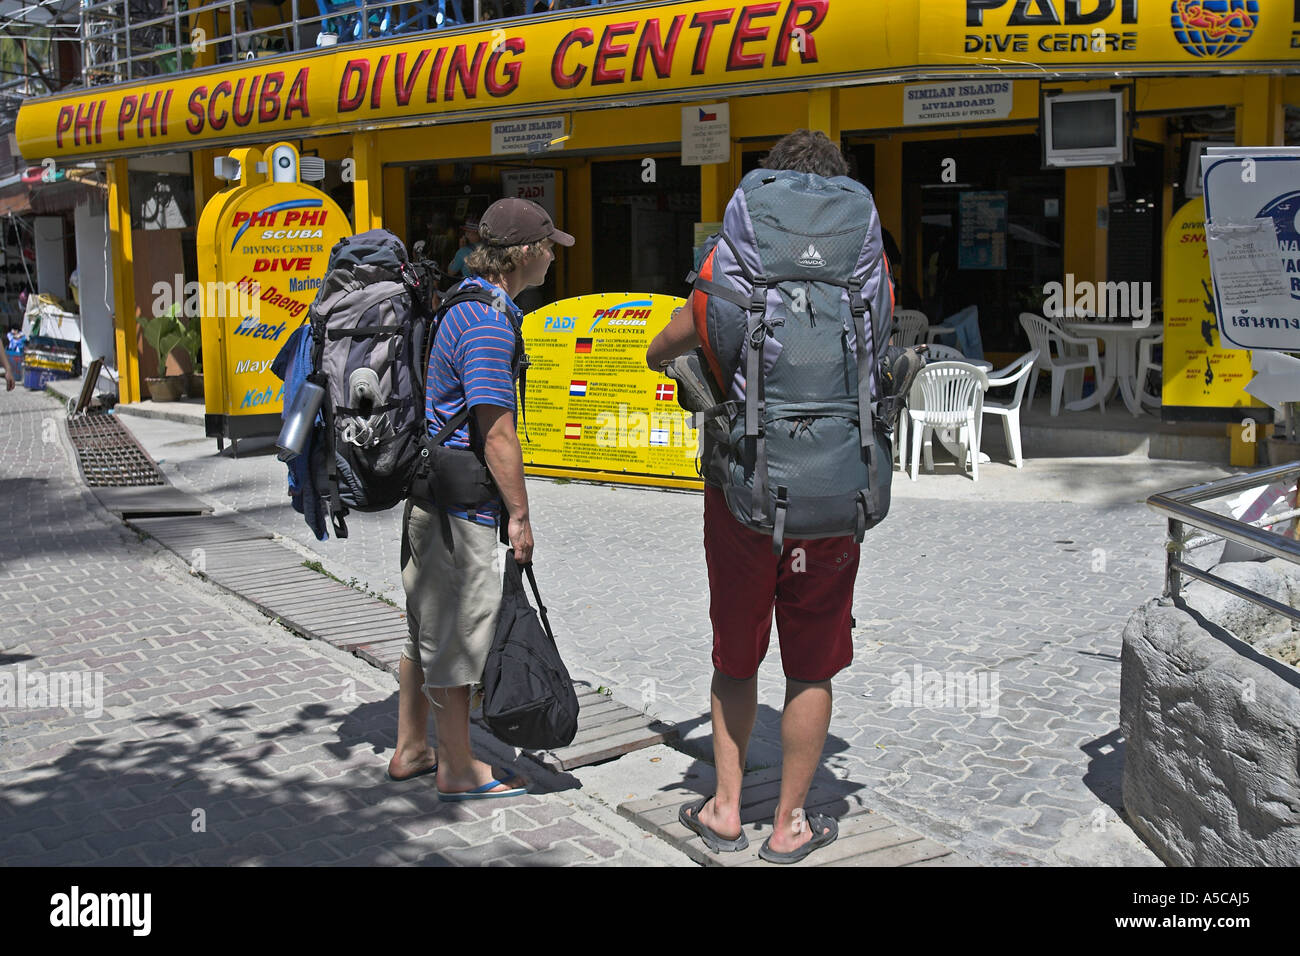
[484, 792]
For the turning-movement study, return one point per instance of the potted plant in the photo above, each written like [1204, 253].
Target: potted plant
[193, 345]
[164, 333]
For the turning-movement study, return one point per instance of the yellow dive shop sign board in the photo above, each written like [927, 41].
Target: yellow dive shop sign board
[594, 409]
[676, 50]
[264, 249]
[1203, 378]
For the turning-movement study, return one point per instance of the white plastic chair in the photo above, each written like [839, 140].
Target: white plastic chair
[912, 326]
[1146, 365]
[1043, 335]
[944, 353]
[1017, 374]
[947, 395]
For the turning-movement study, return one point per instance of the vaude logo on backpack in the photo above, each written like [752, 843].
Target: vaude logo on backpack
[793, 304]
[528, 696]
[811, 257]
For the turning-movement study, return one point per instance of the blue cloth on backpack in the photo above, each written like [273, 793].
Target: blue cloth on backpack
[292, 365]
[965, 337]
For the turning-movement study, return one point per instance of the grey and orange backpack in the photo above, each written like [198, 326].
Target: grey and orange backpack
[793, 305]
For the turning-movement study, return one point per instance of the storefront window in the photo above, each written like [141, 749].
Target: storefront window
[991, 237]
[644, 230]
[445, 202]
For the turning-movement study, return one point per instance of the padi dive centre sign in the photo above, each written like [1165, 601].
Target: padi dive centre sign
[595, 410]
[265, 243]
[1252, 230]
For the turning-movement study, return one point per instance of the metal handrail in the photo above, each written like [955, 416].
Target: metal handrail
[1180, 507]
[111, 31]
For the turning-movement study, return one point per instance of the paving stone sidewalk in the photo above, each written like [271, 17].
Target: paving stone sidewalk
[1026, 590]
[219, 738]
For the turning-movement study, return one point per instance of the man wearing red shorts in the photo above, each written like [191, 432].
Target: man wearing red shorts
[810, 587]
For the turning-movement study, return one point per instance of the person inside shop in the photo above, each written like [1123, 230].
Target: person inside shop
[470, 241]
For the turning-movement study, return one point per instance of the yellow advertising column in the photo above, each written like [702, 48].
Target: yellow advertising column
[1203, 381]
[593, 409]
[250, 173]
[270, 242]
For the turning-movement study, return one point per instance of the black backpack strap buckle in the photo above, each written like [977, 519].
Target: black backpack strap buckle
[778, 524]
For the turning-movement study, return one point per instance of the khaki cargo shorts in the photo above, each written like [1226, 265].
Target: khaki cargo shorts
[452, 597]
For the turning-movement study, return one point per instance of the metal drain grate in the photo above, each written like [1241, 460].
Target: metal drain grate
[108, 455]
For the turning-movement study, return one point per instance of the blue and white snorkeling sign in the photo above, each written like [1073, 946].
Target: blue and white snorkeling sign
[1252, 238]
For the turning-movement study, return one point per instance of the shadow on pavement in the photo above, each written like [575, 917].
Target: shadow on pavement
[700, 777]
[202, 789]
[1105, 771]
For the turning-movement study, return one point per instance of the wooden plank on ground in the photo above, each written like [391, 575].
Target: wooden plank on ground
[568, 758]
[865, 838]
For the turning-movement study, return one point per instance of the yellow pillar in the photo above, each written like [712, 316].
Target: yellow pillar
[206, 185]
[716, 185]
[714, 192]
[1260, 115]
[119, 242]
[395, 203]
[562, 209]
[824, 112]
[368, 185]
[889, 186]
[1086, 207]
[579, 267]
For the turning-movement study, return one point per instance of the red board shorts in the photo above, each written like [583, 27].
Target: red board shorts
[812, 590]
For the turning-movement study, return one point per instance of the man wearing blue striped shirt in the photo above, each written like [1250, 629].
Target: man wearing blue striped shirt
[453, 589]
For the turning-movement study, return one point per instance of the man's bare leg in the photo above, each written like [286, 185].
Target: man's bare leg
[735, 706]
[413, 753]
[458, 771]
[804, 724]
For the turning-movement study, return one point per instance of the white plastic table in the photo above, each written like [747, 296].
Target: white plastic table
[1119, 364]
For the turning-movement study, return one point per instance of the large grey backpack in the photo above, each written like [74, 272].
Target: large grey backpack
[371, 325]
[795, 305]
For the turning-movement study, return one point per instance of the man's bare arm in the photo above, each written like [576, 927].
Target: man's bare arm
[677, 338]
[505, 459]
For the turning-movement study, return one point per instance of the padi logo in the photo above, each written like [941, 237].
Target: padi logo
[810, 257]
[1213, 28]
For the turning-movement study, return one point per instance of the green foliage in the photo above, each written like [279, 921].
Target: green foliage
[193, 342]
[164, 333]
[169, 331]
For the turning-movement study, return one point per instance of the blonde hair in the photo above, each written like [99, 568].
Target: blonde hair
[496, 261]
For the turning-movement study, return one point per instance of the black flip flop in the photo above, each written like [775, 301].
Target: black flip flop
[712, 839]
[419, 773]
[824, 830]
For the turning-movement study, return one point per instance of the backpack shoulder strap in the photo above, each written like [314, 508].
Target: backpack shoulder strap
[519, 363]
